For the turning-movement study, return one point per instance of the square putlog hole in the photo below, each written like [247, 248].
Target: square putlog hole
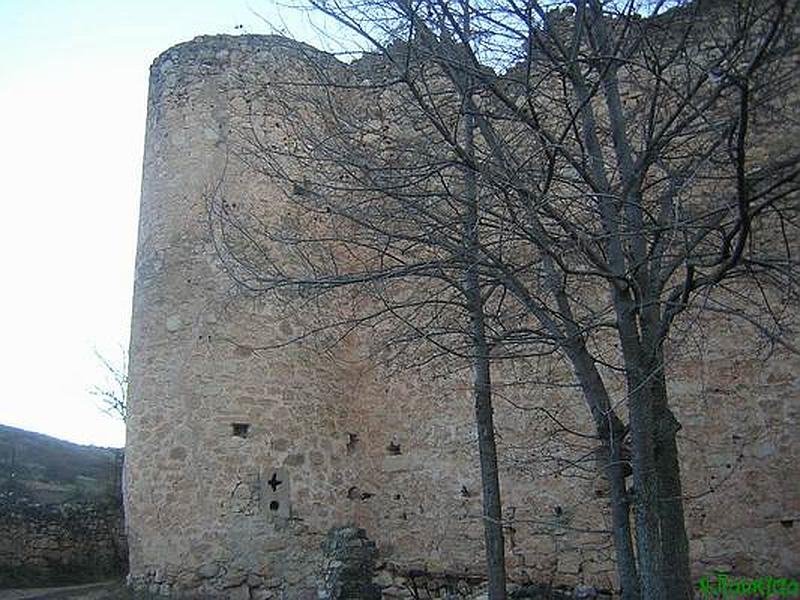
[240, 429]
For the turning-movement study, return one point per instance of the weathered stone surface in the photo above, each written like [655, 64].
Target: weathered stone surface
[208, 571]
[173, 323]
[68, 543]
[584, 592]
[198, 495]
[349, 566]
[239, 593]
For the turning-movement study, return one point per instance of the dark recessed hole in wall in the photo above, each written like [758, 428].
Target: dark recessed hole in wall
[393, 448]
[274, 505]
[352, 440]
[787, 522]
[352, 493]
[240, 429]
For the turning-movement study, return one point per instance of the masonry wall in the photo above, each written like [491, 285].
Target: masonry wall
[242, 455]
[49, 544]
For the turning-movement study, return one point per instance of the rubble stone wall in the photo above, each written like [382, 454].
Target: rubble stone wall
[68, 543]
[243, 452]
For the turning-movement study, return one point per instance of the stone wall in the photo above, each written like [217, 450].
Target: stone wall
[243, 452]
[50, 544]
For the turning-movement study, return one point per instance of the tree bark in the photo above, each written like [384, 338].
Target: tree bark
[674, 541]
[490, 482]
[482, 384]
[610, 429]
[645, 482]
[620, 520]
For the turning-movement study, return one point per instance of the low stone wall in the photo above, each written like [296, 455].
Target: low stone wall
[68, 543]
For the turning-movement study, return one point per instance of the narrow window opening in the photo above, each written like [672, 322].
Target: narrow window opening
[240, 429]
[274, 505]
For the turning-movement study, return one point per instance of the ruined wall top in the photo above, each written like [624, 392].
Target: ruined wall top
[207, 55]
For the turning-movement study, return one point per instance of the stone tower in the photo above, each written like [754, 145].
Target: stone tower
[222, 439]
[240, 459]
[241, 456]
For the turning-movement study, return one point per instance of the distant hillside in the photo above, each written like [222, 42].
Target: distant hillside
[52, 471]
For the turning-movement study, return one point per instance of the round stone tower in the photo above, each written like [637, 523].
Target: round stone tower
[242, 453]
[234, 453]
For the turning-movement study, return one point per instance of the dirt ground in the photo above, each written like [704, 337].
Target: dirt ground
[107, 590]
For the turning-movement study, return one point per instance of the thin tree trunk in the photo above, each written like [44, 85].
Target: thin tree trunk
[492, 506]
[674, 541]
[645, 482]
[610, 430]
[482, 385]
[620, 520]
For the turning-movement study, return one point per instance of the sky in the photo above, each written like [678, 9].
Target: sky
[73, 91]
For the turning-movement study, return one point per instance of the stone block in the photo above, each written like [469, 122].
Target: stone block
[173, 323]
[397, 464]
[569, 562]
[394, 592]
[208, 571]
[241, 592]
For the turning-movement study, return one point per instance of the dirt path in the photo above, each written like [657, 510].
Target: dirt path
[107, 590]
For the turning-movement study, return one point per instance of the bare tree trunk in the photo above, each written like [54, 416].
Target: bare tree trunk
[611, 431]
[645, 482]
[620, 520]
[492, 506]
[482, 385]
[674, 541]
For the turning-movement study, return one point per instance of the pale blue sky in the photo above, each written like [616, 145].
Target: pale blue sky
[73, 87]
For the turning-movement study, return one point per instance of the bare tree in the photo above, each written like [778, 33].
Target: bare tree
[113, 394]
[514, 180]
